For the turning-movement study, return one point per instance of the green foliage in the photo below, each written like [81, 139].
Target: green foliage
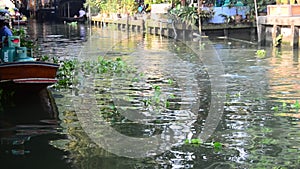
[161, 1]
[116, 66]
[172, 96]
[65, 73]
[73, 23]
[25, 41]
[269, 141]
[275, 108]
[158, 100]
[261, 5]
[296, 105]
[207, 13]
[108, 6]
[67, 68]
[260, 53]
[170, 81]
[196, 141]
[167, 104]
[227, 18]
[217, 145]
[287, 107]
[187, 14]
[190, 15]
[45, 58]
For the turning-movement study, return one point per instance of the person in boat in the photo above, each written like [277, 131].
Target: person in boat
[4, 31]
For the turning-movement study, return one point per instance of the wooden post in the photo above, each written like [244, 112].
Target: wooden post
[160, 27]
[295, 36]
[225, 32]
[127, 22]
[142, 28]
[275, 33]
[257, 23]
[262, 35]
[199, 20]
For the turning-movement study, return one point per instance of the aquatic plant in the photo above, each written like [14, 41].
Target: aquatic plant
[67, 69]
[217, 145]
[269, 141]
[284, 107]
[260, 53]
[45, 58]
[159, 100]
[115, 66]
[194, 141]
[296, 105]
[170, 81]
[73, 23]
[65, 73]
[167, 104]
[24, 39]
[198, 142]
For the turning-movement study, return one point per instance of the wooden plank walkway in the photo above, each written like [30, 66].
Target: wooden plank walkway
[272, 26]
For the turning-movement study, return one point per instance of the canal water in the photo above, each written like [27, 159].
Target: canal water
[216, 90]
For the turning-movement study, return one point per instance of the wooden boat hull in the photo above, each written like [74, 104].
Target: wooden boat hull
[27, 75]
[72, 19]
[20, 22]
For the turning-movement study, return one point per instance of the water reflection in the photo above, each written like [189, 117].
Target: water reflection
[296, 56]
[248, 129]
[259, 128]
[26, 125]
[58, 40]
[82, 28]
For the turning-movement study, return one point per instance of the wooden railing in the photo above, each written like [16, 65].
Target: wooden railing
[284, 10]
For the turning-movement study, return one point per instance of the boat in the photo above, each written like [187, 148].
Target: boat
[19, 22]
[21, 72]
[27, 75]
[17, 18]
[73, 19]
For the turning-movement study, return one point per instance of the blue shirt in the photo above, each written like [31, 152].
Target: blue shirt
[5, 31]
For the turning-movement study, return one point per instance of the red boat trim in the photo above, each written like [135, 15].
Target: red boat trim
[35, 80]
[29, 63]
[28, 70]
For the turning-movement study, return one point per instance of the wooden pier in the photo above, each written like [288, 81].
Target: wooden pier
[281, 20]
[167, 27]
[270, 27]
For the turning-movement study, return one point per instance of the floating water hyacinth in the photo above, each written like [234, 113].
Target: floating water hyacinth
[260, 53]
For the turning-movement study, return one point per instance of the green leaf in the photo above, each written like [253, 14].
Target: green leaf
[196, 141]
[217, 145]
[260, 53]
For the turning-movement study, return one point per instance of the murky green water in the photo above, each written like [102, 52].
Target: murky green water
[174, 93]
